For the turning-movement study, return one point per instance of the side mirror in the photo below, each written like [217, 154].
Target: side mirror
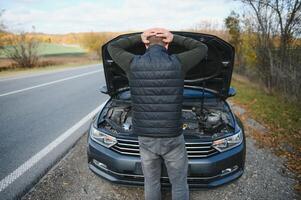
[104, 89]
[231, 92]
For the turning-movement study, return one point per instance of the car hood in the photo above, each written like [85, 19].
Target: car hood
[214, 72]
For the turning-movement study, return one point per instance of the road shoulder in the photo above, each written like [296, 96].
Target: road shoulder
[264, 178]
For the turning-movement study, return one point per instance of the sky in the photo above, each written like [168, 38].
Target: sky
[65, 16]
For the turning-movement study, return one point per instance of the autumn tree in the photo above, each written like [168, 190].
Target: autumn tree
[93, 41]
[232, 23]
[277, 27]
[288, 15]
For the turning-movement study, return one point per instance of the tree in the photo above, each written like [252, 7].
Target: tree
[288, 14]
[93, 41]
[264, 26]
[23, 50]
[232, 23]
[277, 27]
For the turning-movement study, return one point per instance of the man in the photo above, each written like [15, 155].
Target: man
[156, 81]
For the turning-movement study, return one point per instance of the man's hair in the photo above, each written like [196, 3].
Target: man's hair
[155, 40]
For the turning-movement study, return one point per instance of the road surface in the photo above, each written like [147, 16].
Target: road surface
[41, 116]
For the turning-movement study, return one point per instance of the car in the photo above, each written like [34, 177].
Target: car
[214, 135]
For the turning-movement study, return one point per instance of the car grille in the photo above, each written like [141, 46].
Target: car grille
[194, 149]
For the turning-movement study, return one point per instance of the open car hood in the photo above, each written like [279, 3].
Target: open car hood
[214, 72]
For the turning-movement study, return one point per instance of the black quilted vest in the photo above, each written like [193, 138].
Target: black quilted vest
[156, 84]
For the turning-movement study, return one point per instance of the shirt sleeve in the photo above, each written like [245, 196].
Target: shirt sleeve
[118, 50]
[195, 53]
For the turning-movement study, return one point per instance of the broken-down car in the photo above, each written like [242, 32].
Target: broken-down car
[214, 135]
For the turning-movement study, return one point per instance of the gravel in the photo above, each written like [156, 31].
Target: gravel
[249, 121]
[255, 125]
[264, 178]
[237, 109]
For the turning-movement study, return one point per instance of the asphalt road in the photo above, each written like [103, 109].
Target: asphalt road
[35, 111]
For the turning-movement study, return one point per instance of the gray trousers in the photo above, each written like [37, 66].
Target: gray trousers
[173, 152]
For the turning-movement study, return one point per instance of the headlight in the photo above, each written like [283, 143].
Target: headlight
[228, 142]
[102, 138]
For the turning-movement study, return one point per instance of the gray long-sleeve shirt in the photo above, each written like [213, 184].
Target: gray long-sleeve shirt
[195, 53]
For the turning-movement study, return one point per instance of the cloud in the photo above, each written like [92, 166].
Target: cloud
[107, 16]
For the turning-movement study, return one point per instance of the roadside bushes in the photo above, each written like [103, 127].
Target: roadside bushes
[22, 50]
[93, 41]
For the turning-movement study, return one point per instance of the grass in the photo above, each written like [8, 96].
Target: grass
[54, 49]
[270, 109]
[53, 57]
[48, 49]
[283, 119]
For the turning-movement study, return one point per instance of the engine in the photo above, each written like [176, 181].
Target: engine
[196, 120]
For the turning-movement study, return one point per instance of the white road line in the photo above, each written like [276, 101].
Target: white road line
[46, 73]
[49, 83]
[4, 183]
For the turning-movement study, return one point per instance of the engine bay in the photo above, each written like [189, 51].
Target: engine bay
[197, 119]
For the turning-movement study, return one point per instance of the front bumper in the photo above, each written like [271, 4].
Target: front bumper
[207, 172]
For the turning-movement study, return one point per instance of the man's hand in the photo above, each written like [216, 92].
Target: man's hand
[146, 34]
[159, 32]
[167, 35]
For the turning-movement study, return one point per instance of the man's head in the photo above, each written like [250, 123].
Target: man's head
[158, 36]
[155, 40]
